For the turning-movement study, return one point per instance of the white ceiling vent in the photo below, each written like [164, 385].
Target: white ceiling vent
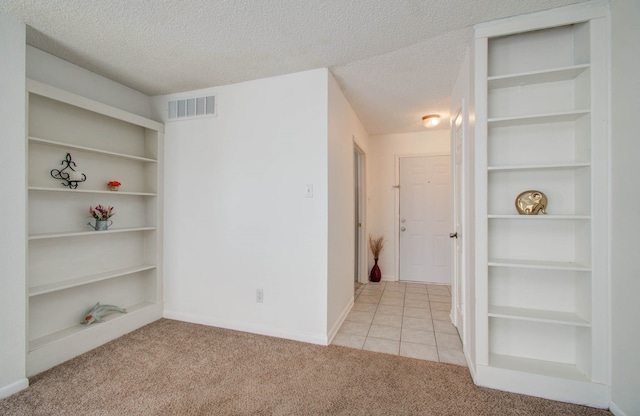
[196, 107]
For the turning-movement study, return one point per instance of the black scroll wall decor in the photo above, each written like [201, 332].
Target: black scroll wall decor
[68, 174]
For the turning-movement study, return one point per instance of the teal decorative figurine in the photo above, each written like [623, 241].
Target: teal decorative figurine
[99, 311]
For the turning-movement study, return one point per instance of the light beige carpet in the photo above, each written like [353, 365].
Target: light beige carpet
[177, 368]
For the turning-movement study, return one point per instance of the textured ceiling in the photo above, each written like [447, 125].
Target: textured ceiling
[396, 60]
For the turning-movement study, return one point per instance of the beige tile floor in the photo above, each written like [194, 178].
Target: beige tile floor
[408, 319]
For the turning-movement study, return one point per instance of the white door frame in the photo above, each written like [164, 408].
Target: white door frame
[396, 225]
[361, 257]
[458, 283]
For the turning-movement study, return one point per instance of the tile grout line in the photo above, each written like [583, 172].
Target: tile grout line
[371, 323]
[404, 302]
[369, 329]
[433, 325]
[372, 319]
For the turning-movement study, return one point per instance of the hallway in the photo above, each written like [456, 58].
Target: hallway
[408, 319]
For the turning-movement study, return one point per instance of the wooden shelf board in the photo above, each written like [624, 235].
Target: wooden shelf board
[536, 77]
[37, 343]
[85, 280]
[536, 119]
[89, 191]
[89, 233]
[537, 315]
[91, 149]
[541, 367]
[558, 166]
[535, 264]
[543, 217]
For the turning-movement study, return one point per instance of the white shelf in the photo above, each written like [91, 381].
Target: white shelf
[542, 265]
[89, 233]
[560, 117]
[536, 77]
[557, 166]
[537, 315]
[89, 191]
[85, 280]
[91, 149]
[45, 90]
[76, 329]
[543, 217]
[541, 367]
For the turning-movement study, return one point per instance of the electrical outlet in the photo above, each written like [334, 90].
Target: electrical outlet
[259, 295]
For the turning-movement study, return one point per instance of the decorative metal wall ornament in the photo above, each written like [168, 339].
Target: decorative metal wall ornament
[70, 177]
[531, 202]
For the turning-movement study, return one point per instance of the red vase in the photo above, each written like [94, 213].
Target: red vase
[375, 274]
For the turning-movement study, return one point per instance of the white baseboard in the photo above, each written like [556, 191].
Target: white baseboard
[241, 326]
[613, 408]
[336, 326]
[580, 392]
[470, 364]
[13, 388]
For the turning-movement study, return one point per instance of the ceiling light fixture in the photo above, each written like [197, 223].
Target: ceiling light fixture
[431, 120]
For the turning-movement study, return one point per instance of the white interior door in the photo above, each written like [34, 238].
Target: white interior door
[425, 219]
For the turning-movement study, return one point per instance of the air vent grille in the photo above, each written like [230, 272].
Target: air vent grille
[195, 107]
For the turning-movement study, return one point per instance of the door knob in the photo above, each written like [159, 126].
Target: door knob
[453, 235]
[403, 229]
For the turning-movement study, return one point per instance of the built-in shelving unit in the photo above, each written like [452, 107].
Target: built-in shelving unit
[542, 278]
[71, 266]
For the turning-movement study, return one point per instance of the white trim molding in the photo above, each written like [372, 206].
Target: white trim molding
[14, 388]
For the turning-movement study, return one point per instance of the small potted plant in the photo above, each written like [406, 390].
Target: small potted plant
[114, 185]
[101, 215]
[376, 245]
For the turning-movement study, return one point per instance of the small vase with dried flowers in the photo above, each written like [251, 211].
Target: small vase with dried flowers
[376, 245]
[114, 185]
[101, 215]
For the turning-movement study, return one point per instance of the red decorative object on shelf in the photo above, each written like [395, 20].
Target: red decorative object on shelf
[114, 185]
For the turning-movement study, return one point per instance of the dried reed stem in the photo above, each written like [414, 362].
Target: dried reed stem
[376, 245]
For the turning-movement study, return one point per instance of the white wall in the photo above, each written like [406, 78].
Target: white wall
[13, 207]
[236, 216]
[344, 128]
[382, 176]
[625, 226]
[51, 70]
